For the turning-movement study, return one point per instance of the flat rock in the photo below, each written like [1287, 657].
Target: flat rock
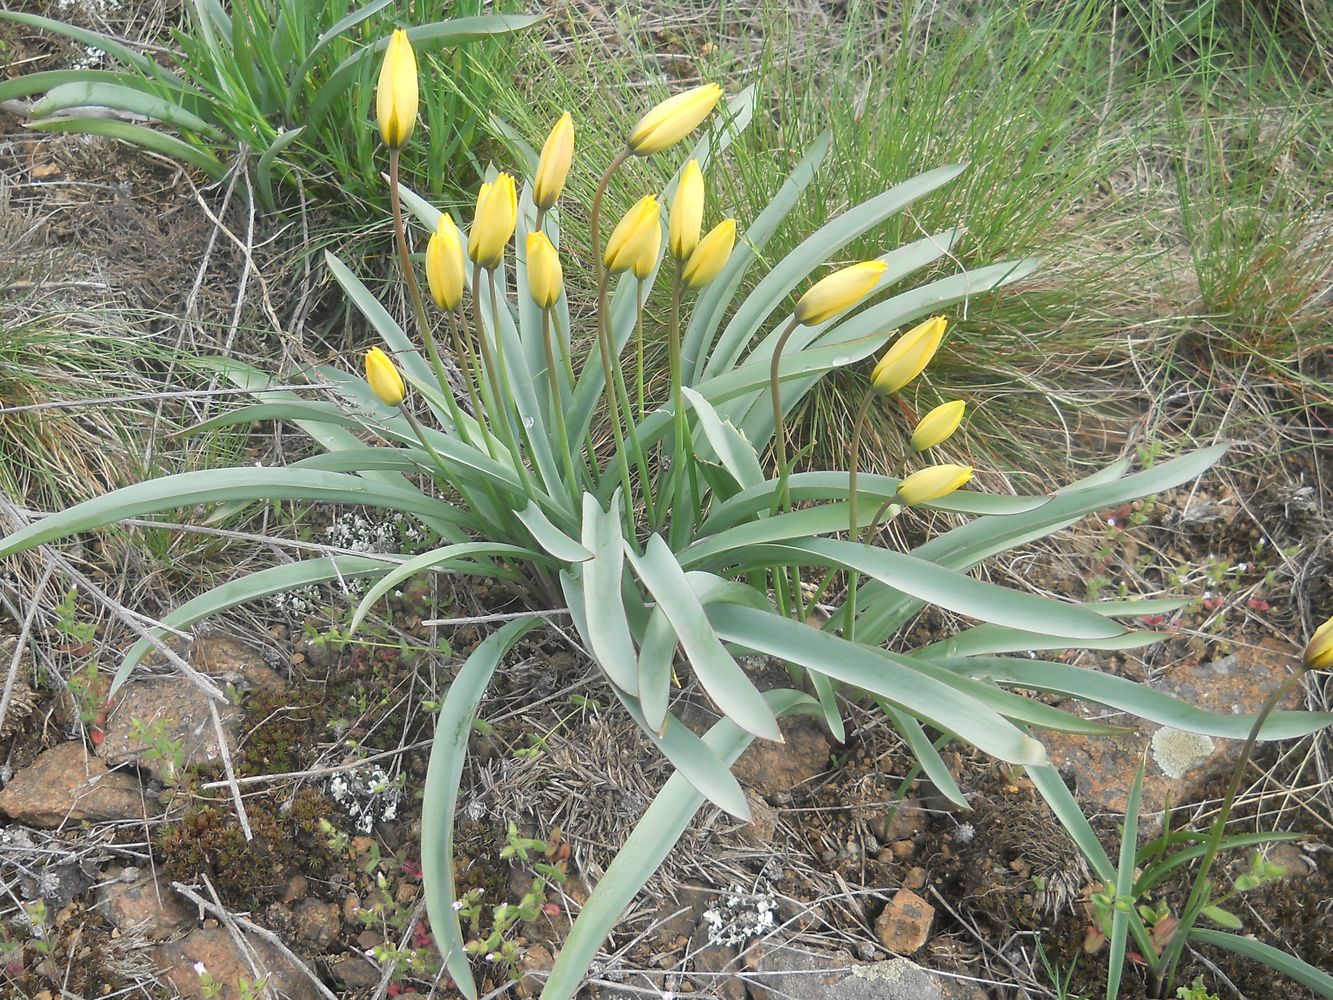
[904, 925]
[774, 769]
[68, 785]
[317, 922]
[174, 703]
[787, 973]
[137, 903]
[212, 950]
[1180, 764]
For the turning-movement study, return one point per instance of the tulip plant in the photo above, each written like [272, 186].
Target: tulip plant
[672, 527]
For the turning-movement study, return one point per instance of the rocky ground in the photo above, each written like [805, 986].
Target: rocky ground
[129, 866]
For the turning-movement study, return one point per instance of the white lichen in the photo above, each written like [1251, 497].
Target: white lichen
[739, 916]
[368, 796]
[1178, 752]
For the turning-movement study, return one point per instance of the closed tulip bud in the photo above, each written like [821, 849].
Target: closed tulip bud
[557, 155]
[908, 358]
[640, 226]
[687, 212]
[838, 292]
[1318, 654]
[932, 483]
[673, 119]
[937, 425]
[385, 382]
[711, 255]
[493, 225]
[545, 278]
[649, 250]
[446, 267]
[396, 94]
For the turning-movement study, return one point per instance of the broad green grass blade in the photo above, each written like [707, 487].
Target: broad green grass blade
[828, 485]
[608, 632]
[657, 653]
[1274, 958]
[138, 135]
[264, 168]
[461, 555]
[932, 764]
[253, 587]
[893, 677]
[721, 676]
[963, 547]
[644, 851]
[1124, 887]
[717, 296]
[221, 486]
[983, 639]
[736, 546]
[772, 291]
[440, 797]
[411, 460]
[551, 538]
[731, 448]
[1137, 699]
[296, 409]
[1161, 870]
[41, 83]
[121, 98]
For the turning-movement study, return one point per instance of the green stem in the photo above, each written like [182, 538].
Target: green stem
[500, 417]
[613, 404]
[680, 429]
[638, 345]
[783, 499]
[854, 525]
[558, 407]
[1198, 892]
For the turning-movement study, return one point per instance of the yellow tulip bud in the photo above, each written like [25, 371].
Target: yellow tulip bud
[649, 251]
[687, 212]
[673, 119]
[493, 224]
[937, 425]
[1318, 653]
[385, 382]
[396, 94]
[557, 155]
[932, 483]
[545, 278]
[838, 292]
[908, 358]
[711, 255]
[446, 269]
[640, 225]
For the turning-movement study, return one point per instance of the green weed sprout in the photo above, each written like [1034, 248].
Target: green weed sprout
[278, 80]
[650, 518]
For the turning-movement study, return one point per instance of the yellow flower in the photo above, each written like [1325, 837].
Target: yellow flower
[932, 483]
[711, 255]
[838, 292]
[936, 426]
[446, 268]
[687, 212]
[396, 94]
[673, 119]
[640, 225]
[649, 249]
[545, 278]
[385, 382]
[493, 224]
[1318, 653]
[908, 358]
[553, 166]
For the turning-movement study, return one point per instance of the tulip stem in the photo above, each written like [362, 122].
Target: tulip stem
[414, 290]
[613, 404]
[680, 429]
[594, 225]
[782, 501]
[853, 524]
[1198, 892]
[500, 417]
[638, 344]
[558, 405]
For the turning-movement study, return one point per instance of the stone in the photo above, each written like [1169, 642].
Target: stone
[716, 968]
[915, 878]
[907, 820]
[1180, 764]
[68, 785]
[180, 710]
[533, 967]
[212, 951]
[356, 973]
[317, 922]
[137, 903]
[763, 825]
[790, 973]
[904, 926]
[774, 769]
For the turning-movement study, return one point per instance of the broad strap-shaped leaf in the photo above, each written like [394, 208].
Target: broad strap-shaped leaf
[137, 135]
[466, 556]
[736, 545]
[220, 486]
[1137, 699]
[252, 587]
[893, 677]
[1275, 958]
[440, 797]
[932, 764]
[597, 591]
[732, 450]
[1161, 869]
[983, 639]
[644, 851]
[721, 676]
[817, 248]
[46, 80]
[963, 547]
[551, 538]
[100, 94]
[657, 654]
[1121, 917]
